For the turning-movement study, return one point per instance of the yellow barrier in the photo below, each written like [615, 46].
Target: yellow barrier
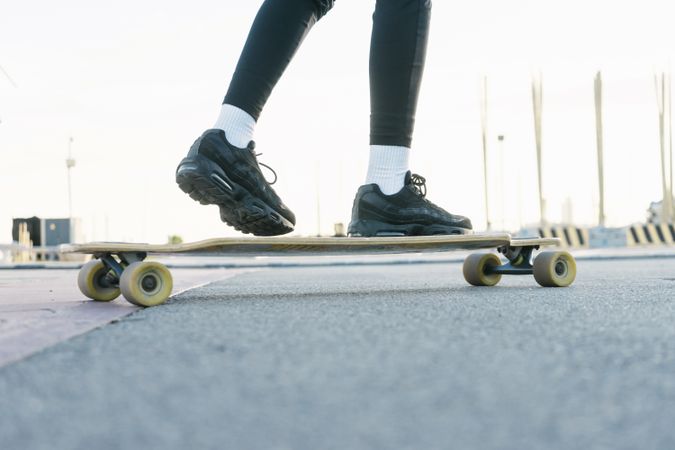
[651, 234]
[638, 234]
[570, 236]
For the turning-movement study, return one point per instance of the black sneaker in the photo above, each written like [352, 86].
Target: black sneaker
[406, 213]
[217, 173]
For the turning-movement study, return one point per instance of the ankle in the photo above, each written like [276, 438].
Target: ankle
[237, 124]
[387, 167]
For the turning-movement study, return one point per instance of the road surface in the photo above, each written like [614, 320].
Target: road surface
[367, 357]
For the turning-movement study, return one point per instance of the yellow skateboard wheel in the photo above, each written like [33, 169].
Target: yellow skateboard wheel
[475, 266]
[90, 282]
[555, 269]
[146, 283]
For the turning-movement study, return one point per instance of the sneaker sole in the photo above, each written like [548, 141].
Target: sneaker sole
[205, 182]
[375, 228]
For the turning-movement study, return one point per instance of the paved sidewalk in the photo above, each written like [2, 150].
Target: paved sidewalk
[39, 308]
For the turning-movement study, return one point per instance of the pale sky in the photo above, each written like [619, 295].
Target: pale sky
[136, 82]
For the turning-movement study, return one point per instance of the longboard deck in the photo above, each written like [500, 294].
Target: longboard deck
[121, 268]
[265, 246]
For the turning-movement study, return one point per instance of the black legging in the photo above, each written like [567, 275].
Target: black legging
[397, 55]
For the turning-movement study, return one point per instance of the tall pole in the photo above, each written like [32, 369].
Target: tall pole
[667, 202]
[70, 163]
[484, 130]
[600, 144]
[537, 104]
[502, 209]
[317, 175]
[670, 145]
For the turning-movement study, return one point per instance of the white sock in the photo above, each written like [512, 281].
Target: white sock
[387, 167]
[237, 124]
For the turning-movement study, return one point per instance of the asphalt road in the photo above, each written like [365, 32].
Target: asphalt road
[374, 357]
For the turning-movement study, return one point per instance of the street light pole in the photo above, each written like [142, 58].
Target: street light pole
[600, 147]
[537, 104]
[317, 175]
[70, 163]
[670, 145]
[484, 130]
[666, 172]
[502, 210]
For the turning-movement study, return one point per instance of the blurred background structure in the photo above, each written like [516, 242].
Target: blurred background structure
[589, 159]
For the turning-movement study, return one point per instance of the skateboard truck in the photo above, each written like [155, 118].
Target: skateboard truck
[113, 273]
[520, 261]
[550, 269]
[116, 268]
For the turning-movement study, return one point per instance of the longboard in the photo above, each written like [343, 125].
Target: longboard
[120, 268]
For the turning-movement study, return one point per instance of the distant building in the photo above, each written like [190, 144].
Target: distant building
[655, 212]
[34, 225]
[47, 234]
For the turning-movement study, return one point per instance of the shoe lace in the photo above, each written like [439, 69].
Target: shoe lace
[268, 168]
[419, 183]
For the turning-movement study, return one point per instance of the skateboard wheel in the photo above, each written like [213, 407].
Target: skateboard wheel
[555, 269]
[91, 284]
[475, 267]
[146, 283]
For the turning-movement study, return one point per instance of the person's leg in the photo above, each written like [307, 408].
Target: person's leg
[277, 32]
[392, 202]
[221, 167]
[397, 56]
